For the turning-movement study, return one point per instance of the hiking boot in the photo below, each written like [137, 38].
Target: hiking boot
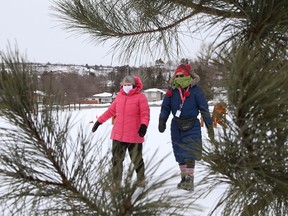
[181, 184]
[187, 183]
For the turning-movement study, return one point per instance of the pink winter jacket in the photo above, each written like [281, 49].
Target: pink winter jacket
[130, 111]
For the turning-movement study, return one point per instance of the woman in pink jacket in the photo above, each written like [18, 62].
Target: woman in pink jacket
[132, 113]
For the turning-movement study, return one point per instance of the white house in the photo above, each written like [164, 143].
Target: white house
[152, 95]
[39, 96]
[100, 98]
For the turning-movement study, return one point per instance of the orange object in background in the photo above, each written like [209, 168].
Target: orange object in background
[218, 115]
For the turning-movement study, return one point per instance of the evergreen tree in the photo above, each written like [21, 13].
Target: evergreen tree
[45, 171]
[160, 81]
[251, 154]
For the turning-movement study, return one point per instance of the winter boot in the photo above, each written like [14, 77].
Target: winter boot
[183, 180]
[189, 183]
[186, 183]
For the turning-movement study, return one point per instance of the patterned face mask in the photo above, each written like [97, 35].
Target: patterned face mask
[183, 82]
[127, 89]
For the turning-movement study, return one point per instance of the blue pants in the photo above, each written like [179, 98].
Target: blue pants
[186, 150]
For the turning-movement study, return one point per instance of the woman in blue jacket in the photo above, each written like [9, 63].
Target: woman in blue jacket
[185, 100]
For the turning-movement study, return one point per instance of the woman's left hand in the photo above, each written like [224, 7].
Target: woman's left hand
[142, 130]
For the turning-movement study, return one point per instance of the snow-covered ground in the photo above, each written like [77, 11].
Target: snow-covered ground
[161, 144]
[155, 147]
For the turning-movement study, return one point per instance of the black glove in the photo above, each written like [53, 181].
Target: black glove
[211, 132]
[162, 125]
[142, 130]
[96, 125]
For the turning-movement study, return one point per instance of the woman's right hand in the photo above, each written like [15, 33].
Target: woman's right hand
[162, 125]
[95, 127]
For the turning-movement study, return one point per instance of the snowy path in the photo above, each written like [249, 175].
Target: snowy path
[156, 145]
[161, 144]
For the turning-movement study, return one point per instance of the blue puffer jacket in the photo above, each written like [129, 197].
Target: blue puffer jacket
[187, 145]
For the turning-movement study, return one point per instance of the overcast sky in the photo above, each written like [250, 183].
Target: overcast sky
[30, 25]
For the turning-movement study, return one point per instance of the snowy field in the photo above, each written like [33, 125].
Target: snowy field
[161, 144]
[155, 143]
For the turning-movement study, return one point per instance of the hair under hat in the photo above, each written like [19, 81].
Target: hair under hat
[183, 68]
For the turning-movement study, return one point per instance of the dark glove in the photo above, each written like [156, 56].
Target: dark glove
[162, 125]
[211, 132]
[96, 125]
[142, 130]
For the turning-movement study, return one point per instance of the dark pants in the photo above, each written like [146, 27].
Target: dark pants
[118, 155]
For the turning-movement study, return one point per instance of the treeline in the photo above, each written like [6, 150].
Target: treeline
[74, 87]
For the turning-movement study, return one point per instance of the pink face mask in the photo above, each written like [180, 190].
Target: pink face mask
[127, 89]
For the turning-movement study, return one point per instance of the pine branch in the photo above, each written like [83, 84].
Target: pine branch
[44, 171]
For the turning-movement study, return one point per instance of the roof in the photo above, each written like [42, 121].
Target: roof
[154, 90]
[38, 92]
[104, 94]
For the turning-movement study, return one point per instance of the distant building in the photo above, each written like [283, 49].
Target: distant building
[154, 94]
[38, 96]
[100, 98]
